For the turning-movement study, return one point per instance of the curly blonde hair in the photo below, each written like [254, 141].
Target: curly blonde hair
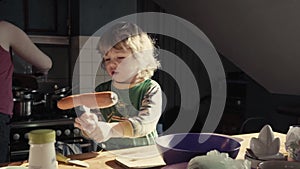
[126, 35]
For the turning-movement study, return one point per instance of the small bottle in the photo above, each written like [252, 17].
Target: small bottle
[42, 151]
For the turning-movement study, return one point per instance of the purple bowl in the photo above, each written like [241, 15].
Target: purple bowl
[182, 147]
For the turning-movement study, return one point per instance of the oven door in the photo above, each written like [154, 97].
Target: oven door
[68, 139]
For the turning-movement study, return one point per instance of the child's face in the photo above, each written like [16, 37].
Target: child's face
[121, 65]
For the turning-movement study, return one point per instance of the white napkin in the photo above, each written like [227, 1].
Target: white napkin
[216, 160]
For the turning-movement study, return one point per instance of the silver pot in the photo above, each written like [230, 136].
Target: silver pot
[52, 98]
[22, 107]
[23, 99]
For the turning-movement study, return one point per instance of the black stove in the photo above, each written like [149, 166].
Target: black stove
[61, 122]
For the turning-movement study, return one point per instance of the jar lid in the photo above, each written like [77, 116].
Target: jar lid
[41, 136]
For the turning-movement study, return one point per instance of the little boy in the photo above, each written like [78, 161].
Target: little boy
[128, 57]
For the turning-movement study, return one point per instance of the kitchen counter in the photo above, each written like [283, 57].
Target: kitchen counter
[113, 159]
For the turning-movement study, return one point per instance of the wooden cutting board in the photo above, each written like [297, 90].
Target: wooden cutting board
[140, 157]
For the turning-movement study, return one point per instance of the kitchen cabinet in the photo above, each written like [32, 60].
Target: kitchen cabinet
[47, 17]
[47, 23]
[89, 16]
[12, 10]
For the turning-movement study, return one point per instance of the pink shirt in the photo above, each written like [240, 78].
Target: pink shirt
[6, 73]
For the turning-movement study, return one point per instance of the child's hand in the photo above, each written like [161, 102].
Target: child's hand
[86, 122]
[97, 130]
[102, 132]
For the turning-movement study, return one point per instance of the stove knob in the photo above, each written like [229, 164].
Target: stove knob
[67, 132]
[16, 137]
[76, 131]
[26, 135]
[58, 132]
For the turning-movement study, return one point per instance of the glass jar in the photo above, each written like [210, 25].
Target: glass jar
[42, 150]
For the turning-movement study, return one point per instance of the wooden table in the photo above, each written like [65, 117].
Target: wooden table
[107, 159]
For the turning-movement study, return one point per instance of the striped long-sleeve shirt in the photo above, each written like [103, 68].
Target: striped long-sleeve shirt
[139, 108]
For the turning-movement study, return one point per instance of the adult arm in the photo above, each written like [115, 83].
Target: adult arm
[20, 43]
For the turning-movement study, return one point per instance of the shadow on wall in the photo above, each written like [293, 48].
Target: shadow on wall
[172, 102]
[170, 115]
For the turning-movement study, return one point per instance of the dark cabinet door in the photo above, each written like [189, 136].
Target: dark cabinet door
[46, 17]
[36, 17]
[12, 11]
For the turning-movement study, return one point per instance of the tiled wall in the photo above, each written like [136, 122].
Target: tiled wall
[87, 71]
